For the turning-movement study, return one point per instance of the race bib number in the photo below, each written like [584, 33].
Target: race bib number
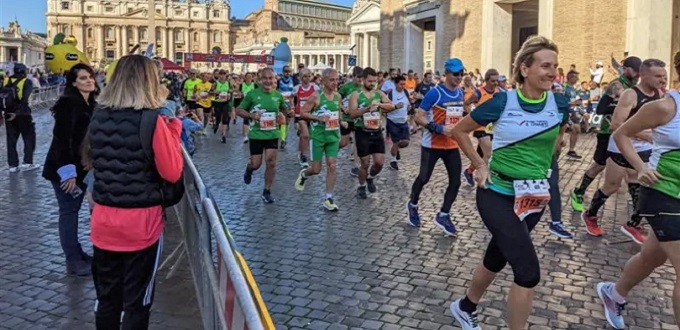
[268, 121]
[224, 96]
[531, 196]
[372, 120]
[333, 123]
[453, 115]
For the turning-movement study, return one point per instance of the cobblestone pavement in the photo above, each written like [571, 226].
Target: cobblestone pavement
[35, 292]
[364, 268]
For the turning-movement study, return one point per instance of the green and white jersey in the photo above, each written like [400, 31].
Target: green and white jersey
[363, 101]
[666, 152]
[326, 132]
[268, 105]
[524, 135]
[346, 91]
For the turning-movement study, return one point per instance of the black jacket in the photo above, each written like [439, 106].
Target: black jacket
[23, 107]
[71, 119]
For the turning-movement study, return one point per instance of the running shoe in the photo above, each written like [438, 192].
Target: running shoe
[557, 229]
[637, 234]
[612, 309]
[267, 197]
[444, 223]
[13, 169]
[394, 165]
[468, 321]
[469, 178]
[573, 155]
[224, 139]
[300, 182]
[398, 155]
[371, 185]
[576, 201]
[413, 216]
[248, 176]
[354, 171]
[330, 205]
[361, 192]
[29, 167]
[282, 145]
[591, 224]
[303, 160]
[245, 139]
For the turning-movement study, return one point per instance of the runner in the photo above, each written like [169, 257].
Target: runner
[322, 110]
[301, 94]
[571, 93]
[285, 86]
[202, 91]
[222, 105]
[347, 127]
[652, 78]
[418, 95]
[605, 107]
[365, 107]
[397, 120]
[475, 99]
[659, 200]
[513, 189]
[247, 86]
[188, 90]
[439, 112]
[264, 108]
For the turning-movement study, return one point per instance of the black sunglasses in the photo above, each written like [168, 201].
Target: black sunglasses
[458, 73]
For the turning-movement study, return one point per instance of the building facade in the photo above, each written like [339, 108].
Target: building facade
[487, 33]
[364, 27]
[21, 46]
[317, 33]
[106, 30]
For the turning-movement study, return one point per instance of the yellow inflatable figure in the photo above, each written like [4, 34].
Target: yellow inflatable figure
[63, 55]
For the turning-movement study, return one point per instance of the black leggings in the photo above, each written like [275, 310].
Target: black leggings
[428, 159]
[510, 238]
[555, 203]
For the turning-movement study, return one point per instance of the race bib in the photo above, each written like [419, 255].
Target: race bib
[372, 120]
[333, 123]
[268, 121]
[531, 196]
[453, 115]
[224, 96]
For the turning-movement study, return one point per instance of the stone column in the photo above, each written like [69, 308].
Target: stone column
[545, 17]
[205, 44]
[164, 41]
[188, 40]
[366, 50]
[413, 47]
[135, 32]
[2, 54]
[496, 36]
[120, 47]
[171, 45]
[100, 42]
[126, 47]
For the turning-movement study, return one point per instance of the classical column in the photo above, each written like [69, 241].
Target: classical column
[79, 33]
[205, 44]
[413, 47]
[125, 40]
[2, 54]
[171, 45]
[496, 36]
[545, 17]
[120, 47]
[188, 40]
[164, 41]
[366, 50]
[135, 32]
[100, 42]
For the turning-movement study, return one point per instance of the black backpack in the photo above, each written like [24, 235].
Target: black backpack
[171, 193]
[9, 96]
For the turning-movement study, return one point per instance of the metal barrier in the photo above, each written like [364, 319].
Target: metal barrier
[225, 290]
[44, 96]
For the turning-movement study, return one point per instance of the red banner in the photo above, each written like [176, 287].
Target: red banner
[228, 58]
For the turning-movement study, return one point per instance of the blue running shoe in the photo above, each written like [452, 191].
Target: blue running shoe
[413, 216]
[557, 229]
[612, 309]
[469, 179]
[354, 171]
[443, 221]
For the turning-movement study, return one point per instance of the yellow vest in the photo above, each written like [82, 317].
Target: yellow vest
[20, 85]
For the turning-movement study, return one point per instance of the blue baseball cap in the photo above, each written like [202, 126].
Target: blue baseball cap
[454, 65]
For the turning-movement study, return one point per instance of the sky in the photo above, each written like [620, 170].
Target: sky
[31, 13]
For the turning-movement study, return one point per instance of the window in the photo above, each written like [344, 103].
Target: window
[90, 8]
[429, 45]
[195, 36]
[142, 34]
[89, 32]
[65, 5]
[178, 12]
[109, 33]
[216, 13]
[217, 37]
[158, 35]
[39, 56]
[428, 64]
[158, 11]
[179, 36]
[179, 57]
[195, 14]
[130, 9]
[111, 54]
[108, 9]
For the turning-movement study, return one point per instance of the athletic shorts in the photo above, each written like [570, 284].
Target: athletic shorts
[576, 118]
[601, 154]
[369, 143]
[192, 105]
[623, 162]
[346, 131]
[318, 147]
[480, 134]
[257, 147]
[298, 119]
[411, 110]
[398, 132]
[206, 110]
[246, 121]
[222, 110]
[662, 213]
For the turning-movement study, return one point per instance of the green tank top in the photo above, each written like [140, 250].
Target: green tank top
[189, 86]
[363, 102]
[220, 88]
[245, 88]
[328, 132]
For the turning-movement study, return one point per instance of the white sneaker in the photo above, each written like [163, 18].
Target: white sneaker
[468, 321]
[13, 169]
[245, 139]
[29, 167]
[612, 309]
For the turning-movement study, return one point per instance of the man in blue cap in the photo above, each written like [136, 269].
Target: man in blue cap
[439, 111]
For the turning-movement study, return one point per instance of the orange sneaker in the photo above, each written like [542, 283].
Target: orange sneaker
[637, 234]
[591, 224]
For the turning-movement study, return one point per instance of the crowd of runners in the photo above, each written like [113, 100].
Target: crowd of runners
[512, 128]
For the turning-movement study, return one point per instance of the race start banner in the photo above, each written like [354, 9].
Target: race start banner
[228, 58]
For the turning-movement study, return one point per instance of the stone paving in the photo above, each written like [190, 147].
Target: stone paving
[365, 268]
[35, 292]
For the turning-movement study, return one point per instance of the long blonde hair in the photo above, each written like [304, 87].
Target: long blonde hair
[525, 55]
[136, 84]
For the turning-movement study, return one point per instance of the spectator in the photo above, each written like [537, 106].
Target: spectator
[63, 165]
[35, 79]
[133, 168]
[19, 121]
[597, 74]
[560, 78]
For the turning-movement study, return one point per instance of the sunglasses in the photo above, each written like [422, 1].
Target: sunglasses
[458, 73]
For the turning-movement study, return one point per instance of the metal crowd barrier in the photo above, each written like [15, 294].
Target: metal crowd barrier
[44, 96]
[226, 292]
